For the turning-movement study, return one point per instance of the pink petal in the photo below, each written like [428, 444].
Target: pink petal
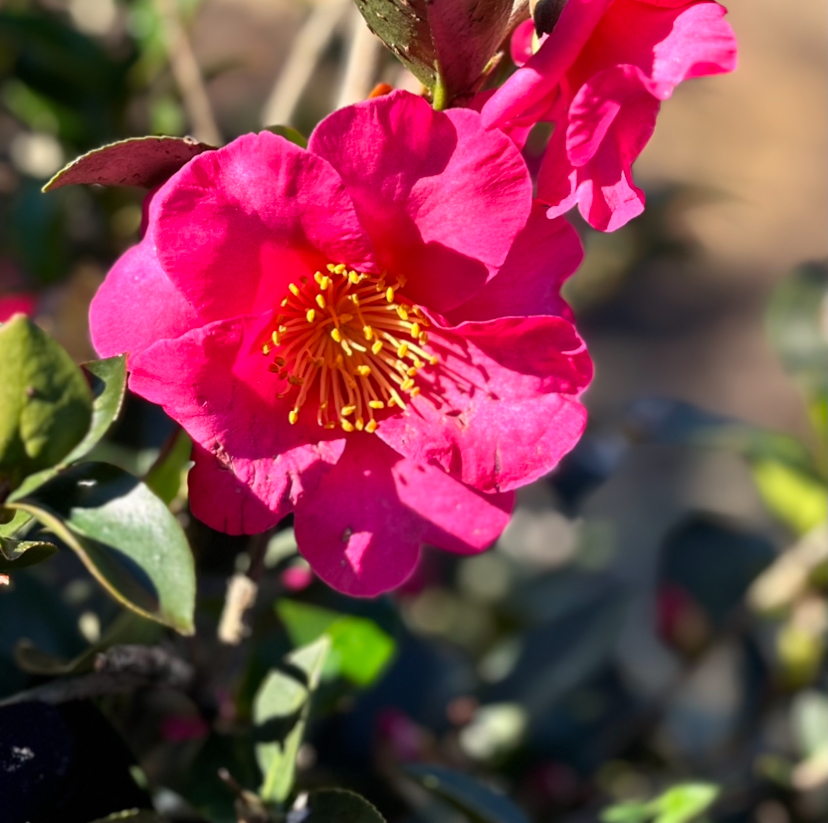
[544, 255]
[536, 80]
[701, 43]
[441, 197]
[603, 186]
[236, 225]
[520, 47]
[137, 305]
[362, 528]
[251, 464]
[499, 409]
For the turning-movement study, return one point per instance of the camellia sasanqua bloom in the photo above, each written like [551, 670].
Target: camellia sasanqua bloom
[600, 77]
[367, 333]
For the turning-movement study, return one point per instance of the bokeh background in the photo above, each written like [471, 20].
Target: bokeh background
[620, 637]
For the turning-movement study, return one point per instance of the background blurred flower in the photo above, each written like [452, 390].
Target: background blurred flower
[600, 76]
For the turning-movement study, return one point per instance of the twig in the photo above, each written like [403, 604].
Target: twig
[119, 669]
[241, 594]
[187, 75]
[361, 68]
[308, 46]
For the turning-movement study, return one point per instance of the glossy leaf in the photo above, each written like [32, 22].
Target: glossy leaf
[107, 381]
[360, 650]
[17, 554]
[138, 161]
[45, 403]
[339, 805]
[447, 46]
[480, 803]
[280, 711]
[124, 534]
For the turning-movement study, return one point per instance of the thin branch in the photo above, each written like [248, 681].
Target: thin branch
[308, 46]
[361, 68]
[242, 589]
[119, 669]
[187, 74]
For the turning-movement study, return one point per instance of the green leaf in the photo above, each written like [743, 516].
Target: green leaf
[679, 804]
[45, 403]
[684, 803]
[280, 711]
[16, 554]
[166, 475]
[289, 133]
[809, 719]
[467, 795]
[796, 498]
[339, 806]
[137, 161]
[124, 534]
[107, 381]
[360, 650]
[633, 812]
[447, 46]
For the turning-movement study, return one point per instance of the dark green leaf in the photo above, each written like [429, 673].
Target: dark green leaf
[360, 649]
[467, 795]
[125, 536]
[107, 380]
[280, 712]
[45, 403]
[446, 45]
[16, 554]
[339, 806]
[291, 134]
[138, 161]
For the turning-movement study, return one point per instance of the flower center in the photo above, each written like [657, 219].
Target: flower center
[355, 338]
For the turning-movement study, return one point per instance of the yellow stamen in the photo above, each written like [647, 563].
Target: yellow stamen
[320, 301]
[371, 426]
[293, 416]
[294, 289]
[311, 314]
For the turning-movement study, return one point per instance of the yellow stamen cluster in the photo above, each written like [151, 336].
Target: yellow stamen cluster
[354, 339]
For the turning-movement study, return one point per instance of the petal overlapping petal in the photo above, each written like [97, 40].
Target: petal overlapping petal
[500, 409]
[529, 284]
[236, 225]
[441, 197]
[362, 528]
[251, 461]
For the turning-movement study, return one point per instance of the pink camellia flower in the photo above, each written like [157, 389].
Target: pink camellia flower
[600, 77]
[367, 333]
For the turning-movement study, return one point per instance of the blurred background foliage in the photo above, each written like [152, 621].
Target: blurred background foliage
[646, 641]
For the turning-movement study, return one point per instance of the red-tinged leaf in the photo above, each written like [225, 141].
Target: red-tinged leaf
[138, 161]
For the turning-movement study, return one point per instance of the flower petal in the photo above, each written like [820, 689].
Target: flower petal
[441, 197]
[499, 409]
[529, 284]
[362, 528]
[137, 305]
[215, 383]
[235, 225]
[603, 186]
[539, 77]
